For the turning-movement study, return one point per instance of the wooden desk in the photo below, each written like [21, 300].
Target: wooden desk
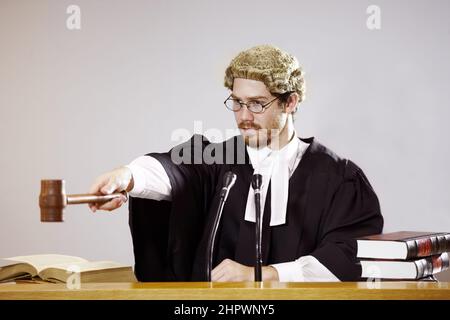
[231, 291]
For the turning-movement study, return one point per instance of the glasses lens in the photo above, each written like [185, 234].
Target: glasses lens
[232, 105]
[255, 107]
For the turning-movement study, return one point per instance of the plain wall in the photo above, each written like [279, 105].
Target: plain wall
[77, 103]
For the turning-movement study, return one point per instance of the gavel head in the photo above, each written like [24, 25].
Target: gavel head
[52, 200]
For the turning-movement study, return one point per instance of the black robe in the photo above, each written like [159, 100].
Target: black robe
[330, 203]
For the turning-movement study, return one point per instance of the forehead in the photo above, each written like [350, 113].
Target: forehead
[247, 88]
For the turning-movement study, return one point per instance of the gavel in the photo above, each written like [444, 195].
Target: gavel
[53, 199]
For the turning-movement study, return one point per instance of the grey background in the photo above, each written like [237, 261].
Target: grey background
[75, 104]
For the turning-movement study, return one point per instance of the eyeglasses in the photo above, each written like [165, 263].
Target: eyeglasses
[253, 106]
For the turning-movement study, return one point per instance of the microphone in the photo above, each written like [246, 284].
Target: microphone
[228, 182]
[256, 185]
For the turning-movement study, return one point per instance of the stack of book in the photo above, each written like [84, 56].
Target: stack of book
[404, 255]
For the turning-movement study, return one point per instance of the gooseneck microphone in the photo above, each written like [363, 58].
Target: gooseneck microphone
[256, 185]
[228, 181]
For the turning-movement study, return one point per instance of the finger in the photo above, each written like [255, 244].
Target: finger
[219, 267]
[110, 205]
[223, 277]
[98, 184]
[92, 207]
[109, 188]
[217, 275]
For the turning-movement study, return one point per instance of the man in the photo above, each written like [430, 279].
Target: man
[314, 203]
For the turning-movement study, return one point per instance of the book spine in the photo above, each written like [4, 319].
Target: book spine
[432, 265]
[412, 249]
[426, 247]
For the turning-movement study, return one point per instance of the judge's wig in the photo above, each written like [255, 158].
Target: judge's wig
[278, 70]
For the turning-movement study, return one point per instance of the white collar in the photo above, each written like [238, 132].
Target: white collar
[288, 153]
[276, 167]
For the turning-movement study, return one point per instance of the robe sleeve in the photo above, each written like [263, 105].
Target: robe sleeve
[166, 234]
[352, 210]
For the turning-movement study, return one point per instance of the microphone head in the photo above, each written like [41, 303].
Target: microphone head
[229, 179]
[256, 181]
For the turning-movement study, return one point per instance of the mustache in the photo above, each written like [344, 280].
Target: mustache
[248, 125]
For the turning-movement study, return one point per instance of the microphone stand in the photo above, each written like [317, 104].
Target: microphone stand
[256, 185]
[228, 182]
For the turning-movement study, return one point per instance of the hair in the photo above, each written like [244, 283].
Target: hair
[277, 69]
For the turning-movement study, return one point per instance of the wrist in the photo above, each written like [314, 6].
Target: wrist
[130, 185]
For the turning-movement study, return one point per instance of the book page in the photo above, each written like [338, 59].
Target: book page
[88, 265]
[99, 271]
[43, 261]
[6, 263]
[11, 270]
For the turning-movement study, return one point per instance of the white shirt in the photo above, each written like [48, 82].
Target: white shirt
[151, 182]
[276, 168]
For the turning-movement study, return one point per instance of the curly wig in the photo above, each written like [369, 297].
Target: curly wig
[277, 69]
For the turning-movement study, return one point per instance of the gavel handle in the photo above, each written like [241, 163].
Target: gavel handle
[92, 198]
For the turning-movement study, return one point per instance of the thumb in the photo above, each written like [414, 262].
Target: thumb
[109, 188]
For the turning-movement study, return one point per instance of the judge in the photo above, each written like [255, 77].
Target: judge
[314, 203]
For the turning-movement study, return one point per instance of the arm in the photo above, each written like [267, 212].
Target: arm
[351, 210]
[144, 177]
[166, 234]
[149, 179]
[306, 269]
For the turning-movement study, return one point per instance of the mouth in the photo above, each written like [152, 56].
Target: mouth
[249, 131]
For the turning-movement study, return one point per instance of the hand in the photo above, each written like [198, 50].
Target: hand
[229, 270]
[117, 180]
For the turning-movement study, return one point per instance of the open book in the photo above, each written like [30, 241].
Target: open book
[58, 268]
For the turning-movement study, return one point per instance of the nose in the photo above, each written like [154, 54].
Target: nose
[245, 115]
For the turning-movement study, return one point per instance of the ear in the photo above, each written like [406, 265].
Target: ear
[291, 103]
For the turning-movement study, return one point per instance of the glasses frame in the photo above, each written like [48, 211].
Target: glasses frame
[264, 106]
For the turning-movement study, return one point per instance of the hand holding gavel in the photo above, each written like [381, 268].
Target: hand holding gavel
[117, 180]
[108, 192]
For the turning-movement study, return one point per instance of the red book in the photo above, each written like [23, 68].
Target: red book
[404, 270]
[403, 245]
